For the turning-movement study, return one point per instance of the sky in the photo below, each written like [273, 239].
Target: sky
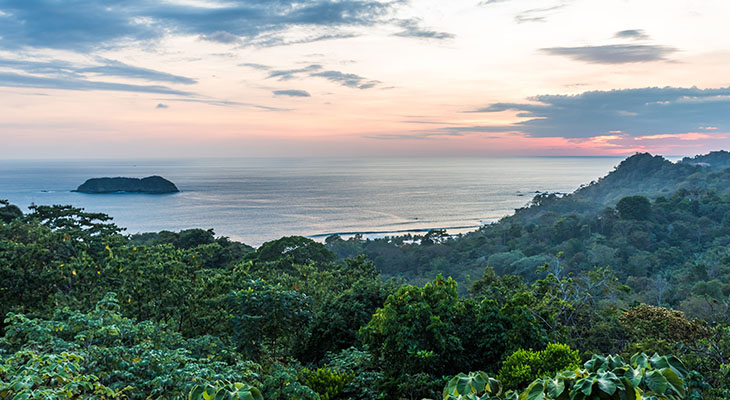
[345, 78]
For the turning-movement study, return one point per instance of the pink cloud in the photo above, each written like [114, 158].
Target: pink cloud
[680, 136]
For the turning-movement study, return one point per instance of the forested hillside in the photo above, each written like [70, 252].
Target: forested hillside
[668, 243]
[617, 291]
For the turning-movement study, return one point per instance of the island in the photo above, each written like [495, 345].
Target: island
[150, 184]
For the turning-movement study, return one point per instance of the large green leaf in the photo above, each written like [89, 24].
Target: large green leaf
[634, 375]
[555, 387]
[656, 382]
[675, 382]
[536, 391]
[607, 385]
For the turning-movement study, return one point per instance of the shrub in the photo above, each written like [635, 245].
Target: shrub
[522, 366]
[650, 322]
[329, 384]
[606, 378]
[225, 391]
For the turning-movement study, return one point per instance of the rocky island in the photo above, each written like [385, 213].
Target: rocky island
[150, 184]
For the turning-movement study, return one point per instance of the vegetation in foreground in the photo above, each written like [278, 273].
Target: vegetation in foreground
[577, 299]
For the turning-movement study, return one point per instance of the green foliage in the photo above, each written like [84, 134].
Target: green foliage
[612, 378]
[656, 377]
[140, 359]
[359, 364]
[344, 296]
[423, 334]
[327, 383]
[472, 386]
[674, 254]
[711, 355]
[634, 207]
[9, 212]
[191, 311]
[292, 250]
[29, 375]
[646, 322]
[226, 252]
[267, 317]
[417, 330]
[282, 383]
[521, 367]
[225, 391]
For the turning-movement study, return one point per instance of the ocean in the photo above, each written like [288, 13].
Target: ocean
[255, 200]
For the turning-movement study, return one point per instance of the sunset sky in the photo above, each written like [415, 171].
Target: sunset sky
[257, 78]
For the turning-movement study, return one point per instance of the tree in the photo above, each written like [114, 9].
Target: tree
[422, 334]
[85, 352]
[9, 212]
[634, 207]
[268, 317]
[291, 250]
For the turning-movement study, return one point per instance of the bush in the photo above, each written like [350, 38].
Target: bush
[606, 378]
[522, 366]
[29, 375]
[358, 363]
[282, 383]
[225, 391]
[142, 360]
[647, 322]
[328, 384]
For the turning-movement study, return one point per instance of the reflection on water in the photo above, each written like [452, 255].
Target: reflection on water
[255, 200]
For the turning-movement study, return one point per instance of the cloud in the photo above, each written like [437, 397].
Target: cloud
[117, 68]
[10, 79]
[634, 112]
[88, 24]
[226, 103]
[412, 29]
[292, 93]
[691, 136]
[222, 37]
[614, 53]
[316, 70]
[424, 122]
[63, 75]
[103, 67]
[288, 74]
[434, 134]
[272, 40]
[537, 14]
[259, 67]
[636, 34]
[349, 80]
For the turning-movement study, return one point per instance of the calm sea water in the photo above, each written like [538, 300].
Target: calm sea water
[256, 200]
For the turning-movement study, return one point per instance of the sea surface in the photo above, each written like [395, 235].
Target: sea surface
[259, 199]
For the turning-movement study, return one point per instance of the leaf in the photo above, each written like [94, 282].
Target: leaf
[536, 391]
[630, 391]
[587, 385]
[634, 376]
[196, 393]
[555, 387]
[675, 382]
[656, 382]
[640, 360]
[607, 386]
